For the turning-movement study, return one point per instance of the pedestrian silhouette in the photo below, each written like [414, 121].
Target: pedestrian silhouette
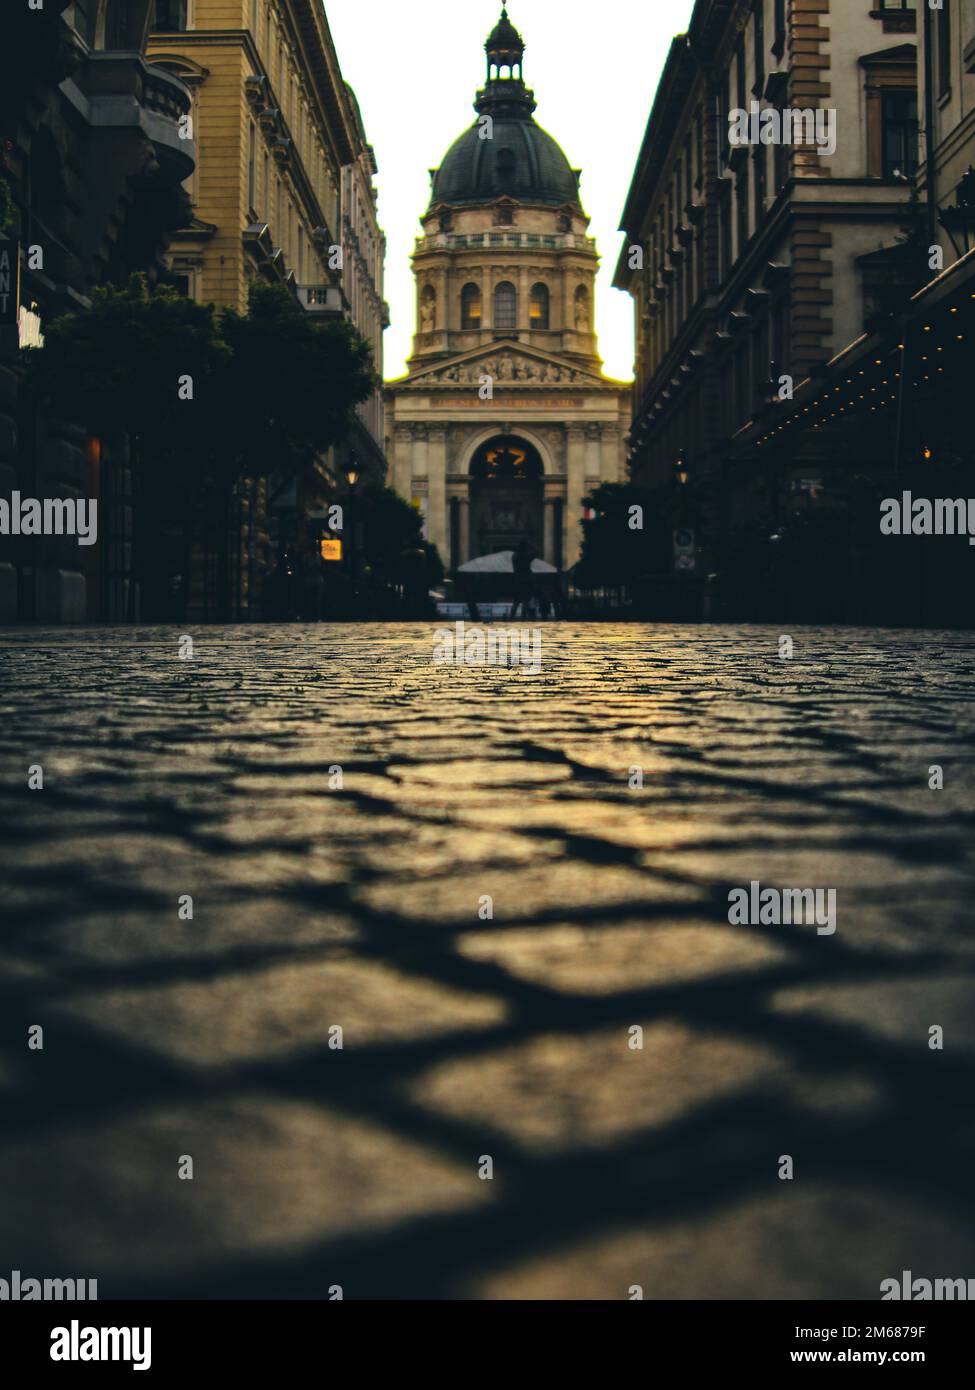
[521, 562]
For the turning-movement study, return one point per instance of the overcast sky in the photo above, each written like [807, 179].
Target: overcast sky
[416, 66]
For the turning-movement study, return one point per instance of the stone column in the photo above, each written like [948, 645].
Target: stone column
[611, 470]
[487, 297]
[549, 554]
[402, 479]
[465, 530]
[594, 459]
[437, 472]
[575, 492]
[524, 300]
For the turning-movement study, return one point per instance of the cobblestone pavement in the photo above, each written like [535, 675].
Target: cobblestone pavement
[316, 907]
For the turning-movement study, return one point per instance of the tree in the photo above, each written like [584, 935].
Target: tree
[288, 392]
[616, 551]
[206, 400]
[395, 552]
[140, 360]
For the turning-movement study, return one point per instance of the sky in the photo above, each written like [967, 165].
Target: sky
[416, 66]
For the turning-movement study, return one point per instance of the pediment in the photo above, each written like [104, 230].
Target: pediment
[509, 364]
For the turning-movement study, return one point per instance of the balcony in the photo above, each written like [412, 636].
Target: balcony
[323, 300]
[127, 94]
[474, 241]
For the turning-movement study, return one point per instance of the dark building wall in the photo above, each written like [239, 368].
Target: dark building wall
[93, 159]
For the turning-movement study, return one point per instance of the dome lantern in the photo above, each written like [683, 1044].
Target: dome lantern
[505, 51]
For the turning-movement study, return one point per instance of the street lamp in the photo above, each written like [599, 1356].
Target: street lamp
[352, 472]
[682, 469]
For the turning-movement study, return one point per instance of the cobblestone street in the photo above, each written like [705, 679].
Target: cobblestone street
[318, 906]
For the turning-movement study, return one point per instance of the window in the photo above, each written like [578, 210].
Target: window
[170, 16]
[505, 306]
[759, 86]
[252, 168]
[254, 19]
[724, 215]
[778, 44]
[267, 188]
[760, 157]
[944, 51]
[742, 192]
[540, 306]
[470, 307]
[780, 165]
[900, 123]
[700, 148]
[898, 4]
[301, 254]
[724, 115]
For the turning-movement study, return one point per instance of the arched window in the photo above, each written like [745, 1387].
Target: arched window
[470, 307]
[505, 305]
[539, 309]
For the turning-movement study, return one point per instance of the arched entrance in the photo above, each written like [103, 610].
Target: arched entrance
[507, 493]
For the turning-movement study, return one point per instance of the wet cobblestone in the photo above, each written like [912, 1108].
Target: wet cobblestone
[318, 907]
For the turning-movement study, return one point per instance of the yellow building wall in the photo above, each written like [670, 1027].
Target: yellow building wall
[217, 42]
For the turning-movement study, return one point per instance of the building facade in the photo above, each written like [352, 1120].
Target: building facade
[283, 193]
[95, 152]
[805, 329]
[505, 421]
[752, 264]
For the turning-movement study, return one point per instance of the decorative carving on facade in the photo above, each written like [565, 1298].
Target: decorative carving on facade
[506, 368]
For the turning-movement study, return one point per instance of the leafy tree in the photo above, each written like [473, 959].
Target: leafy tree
[206, 399]
[120, 364]
[290, 387]
[614, 554]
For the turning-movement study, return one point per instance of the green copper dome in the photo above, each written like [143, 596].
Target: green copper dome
[520, 160]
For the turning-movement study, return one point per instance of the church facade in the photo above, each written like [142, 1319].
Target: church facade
[504, 421]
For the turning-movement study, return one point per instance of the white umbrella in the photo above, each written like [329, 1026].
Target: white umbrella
[502, 563]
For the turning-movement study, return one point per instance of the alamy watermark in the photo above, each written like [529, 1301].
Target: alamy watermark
[18, 1289]
[756, 906]
[478, 646]
[790, 126]
[77, 1343]
[921, 516]
[912, 1290]
[50, 516]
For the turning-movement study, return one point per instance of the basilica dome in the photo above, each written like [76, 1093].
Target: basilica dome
[520, 160]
